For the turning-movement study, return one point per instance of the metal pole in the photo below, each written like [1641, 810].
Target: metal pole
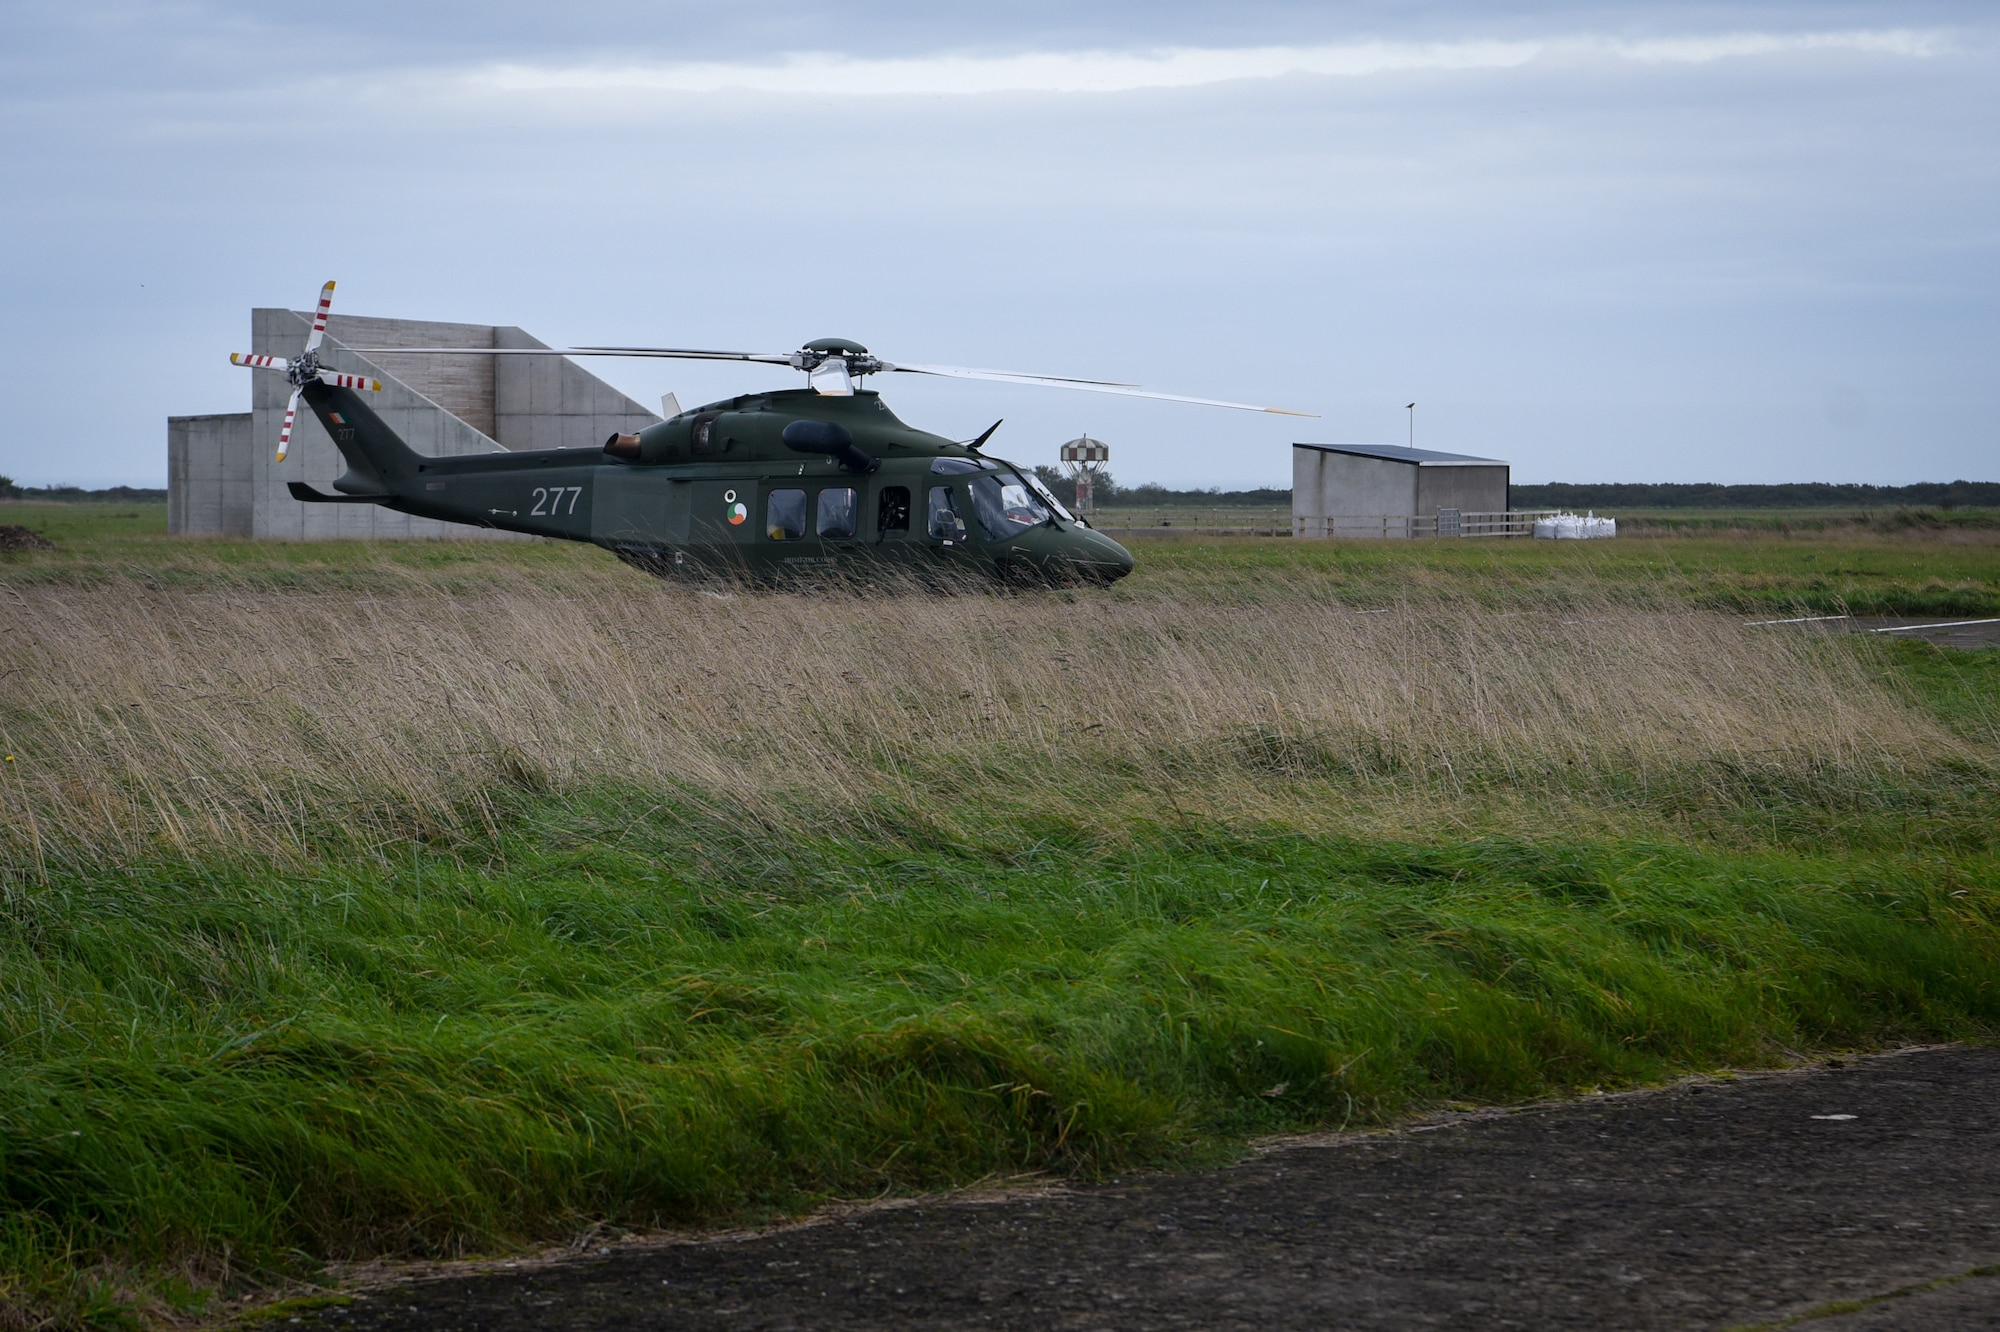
[1413, 425]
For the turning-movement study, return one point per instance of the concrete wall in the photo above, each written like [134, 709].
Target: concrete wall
[546, 402]
[462, 385]
[1467, 487]
[1351, 484]
[1326, 485]
[1306, 492]
[223, 476]
[208, 475]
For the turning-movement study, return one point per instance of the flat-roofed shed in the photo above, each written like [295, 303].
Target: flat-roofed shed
[1350, 481]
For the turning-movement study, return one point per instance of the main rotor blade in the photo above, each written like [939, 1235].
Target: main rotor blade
[1008, 376]
[338, 380]
[685, 354]
[772, 358]
[291, 414]
[259, 362]
[1089, 386]
[651, 353]
[319, 319]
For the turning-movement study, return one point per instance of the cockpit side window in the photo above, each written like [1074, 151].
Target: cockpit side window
[1006, 506]
[945, 524]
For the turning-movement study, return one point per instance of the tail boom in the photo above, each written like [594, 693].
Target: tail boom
[545, 492]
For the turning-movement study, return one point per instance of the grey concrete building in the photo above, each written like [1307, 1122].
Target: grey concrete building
[208, 474]
[222, 476]
[1385, 490]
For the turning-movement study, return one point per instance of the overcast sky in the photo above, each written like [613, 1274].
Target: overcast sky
[1666, 242]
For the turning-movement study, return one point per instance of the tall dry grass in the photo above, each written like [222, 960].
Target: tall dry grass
[217, 1069]
[228, 718]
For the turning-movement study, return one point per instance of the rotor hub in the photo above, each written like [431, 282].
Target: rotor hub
[858, 363]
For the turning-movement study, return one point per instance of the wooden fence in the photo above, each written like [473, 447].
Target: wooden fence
[1169, 520]
[1443, 523]
[1279, 521]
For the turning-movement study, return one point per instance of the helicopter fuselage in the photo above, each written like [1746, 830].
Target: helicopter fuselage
[769, 485]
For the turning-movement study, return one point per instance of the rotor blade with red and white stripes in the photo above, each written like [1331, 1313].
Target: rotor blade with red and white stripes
[337, 380]
[319, 318]
[259, 362]
[291, 415]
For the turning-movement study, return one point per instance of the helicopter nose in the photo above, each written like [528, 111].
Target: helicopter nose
[1104, 557]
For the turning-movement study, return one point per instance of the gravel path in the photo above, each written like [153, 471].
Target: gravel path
[1704, 1205]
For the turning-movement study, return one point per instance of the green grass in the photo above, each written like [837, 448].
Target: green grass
[103, 526]
[666, 1021]
[609, 1002]
[1959, 688]
[1813, 568]
[1805, 521]
[96, 543]
[1748, 573]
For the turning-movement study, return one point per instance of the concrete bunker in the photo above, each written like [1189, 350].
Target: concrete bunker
[223, 480]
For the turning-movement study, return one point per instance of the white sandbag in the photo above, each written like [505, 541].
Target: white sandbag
[1569, 527]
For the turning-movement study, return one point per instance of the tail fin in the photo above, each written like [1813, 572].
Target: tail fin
[377, 461]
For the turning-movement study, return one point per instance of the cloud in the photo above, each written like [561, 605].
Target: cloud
[1640, 254]
[821, 75]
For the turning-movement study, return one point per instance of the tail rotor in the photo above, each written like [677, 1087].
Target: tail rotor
[306, 369]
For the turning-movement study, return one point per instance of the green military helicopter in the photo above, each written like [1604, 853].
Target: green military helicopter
[766, 485]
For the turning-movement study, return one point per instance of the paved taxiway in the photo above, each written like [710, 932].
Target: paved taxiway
[1705, 1205]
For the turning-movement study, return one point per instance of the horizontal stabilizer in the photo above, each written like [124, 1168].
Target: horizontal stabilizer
[305, 494]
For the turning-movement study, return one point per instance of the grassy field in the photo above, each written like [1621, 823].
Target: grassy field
[1762, 561]
[431, 898]
[1934, 524]
[1970, 523]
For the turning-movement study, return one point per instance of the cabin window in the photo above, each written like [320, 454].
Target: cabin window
[785, 515]
[892, 509]
[1006, 506]
[953, 466]
[838, 512]
[945, 524]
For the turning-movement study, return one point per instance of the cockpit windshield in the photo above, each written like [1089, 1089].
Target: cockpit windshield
[1006, 505]
[1048, 496]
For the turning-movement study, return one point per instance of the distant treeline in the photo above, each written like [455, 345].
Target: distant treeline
[9, 490]
[1613, 496]
[1109, 493]
[1796, 495]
